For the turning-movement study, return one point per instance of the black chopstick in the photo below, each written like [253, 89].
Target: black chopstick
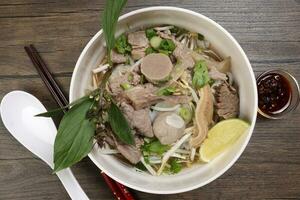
[43, 67]
[47, 82]
[120, 192]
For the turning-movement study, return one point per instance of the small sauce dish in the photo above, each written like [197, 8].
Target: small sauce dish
[278, 94]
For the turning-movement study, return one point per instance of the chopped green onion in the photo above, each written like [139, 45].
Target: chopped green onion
[150, 50]
[186, 114]
[125, 86]
[164, 52]
[155, 42]
[130, 77]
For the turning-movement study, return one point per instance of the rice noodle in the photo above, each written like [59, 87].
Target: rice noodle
[136, 64]
[192, 43]
[193, 92]
[172, 151]
[177, 155]
[193, 152]
[95, 82]
[108, 151]
[100, 68]
[230, 78]
[148, 167]
[163, 28]
[182, 151]
[165, 109]
[179, 38]
[168, 32]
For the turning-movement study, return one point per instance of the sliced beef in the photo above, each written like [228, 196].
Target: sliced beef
[138, 53]
[227, 101]
[184, 56]
[174, 100]
[216, 75]
[138, 39]
[143, 96]
[130, 152]
[117, 58]
[139, 119]
[166, 36]
[138, 141]
[124, 77]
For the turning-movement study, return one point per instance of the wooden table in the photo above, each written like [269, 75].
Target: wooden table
[268, 31]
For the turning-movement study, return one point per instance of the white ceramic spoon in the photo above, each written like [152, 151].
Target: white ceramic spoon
[37, 134]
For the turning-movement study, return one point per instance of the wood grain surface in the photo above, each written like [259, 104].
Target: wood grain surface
[269, 33]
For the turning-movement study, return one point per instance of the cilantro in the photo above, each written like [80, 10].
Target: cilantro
[175, 166]
[122, 45]
[167, 45]
[155, 146]
[150, 33]
[200, 77]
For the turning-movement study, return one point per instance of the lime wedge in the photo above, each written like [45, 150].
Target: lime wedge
[222, 136]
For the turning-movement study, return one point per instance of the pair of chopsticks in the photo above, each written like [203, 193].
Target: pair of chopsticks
[120, 191]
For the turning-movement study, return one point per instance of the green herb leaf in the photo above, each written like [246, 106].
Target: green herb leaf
[178, 31]
[150, 50]
[74, 137]
[155, 146]
[122, 45]
[166, 91]
[175, 166]
[200, 36]
[58, 111]
[140, 166]
[119, 124]
[150, 33]
[110, 17]
[52, 113]
[167, 45]
[200, 77]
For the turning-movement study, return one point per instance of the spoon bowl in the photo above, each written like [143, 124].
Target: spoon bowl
[37, 134]
[18, 110]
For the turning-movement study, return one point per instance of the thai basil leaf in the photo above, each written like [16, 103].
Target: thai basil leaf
[119, 124]
[110, 17]
[74, 137]
[58, 111]
[200, 77]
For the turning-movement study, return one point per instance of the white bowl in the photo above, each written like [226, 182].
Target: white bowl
[226, 45]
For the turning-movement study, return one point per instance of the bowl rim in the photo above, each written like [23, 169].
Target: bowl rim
[248, 65]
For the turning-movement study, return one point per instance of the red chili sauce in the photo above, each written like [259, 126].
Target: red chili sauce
[274, 93]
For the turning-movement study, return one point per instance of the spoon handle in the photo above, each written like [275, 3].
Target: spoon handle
[71, 185]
